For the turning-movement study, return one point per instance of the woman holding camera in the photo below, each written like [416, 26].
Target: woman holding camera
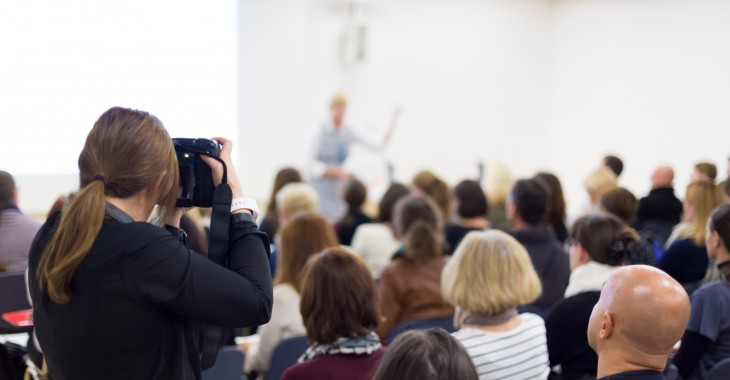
[116, 297]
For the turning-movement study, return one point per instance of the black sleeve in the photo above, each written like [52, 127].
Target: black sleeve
[558, 333]
[690, 351]
[671, 260]
[166, 273]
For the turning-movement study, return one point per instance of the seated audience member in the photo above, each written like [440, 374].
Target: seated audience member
[339, 308]
[596, 184]
[556, 205]
[430, 354]
[16, 230]
[355, 196]
[292, 199]
[427, 183]
[639, 317]
[410, 287]
[706, 340]
[470, 204]
[726, 188]
[621, 203]
[270, 222]
[526, 208]
[660, 210]
[303, 236]
[489, 276]
[686, 257]
[599, 245]
[704, 171]
[499, 184]
[614, 163]
[376, 242]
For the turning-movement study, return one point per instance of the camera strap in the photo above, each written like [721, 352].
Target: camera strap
[218, 253]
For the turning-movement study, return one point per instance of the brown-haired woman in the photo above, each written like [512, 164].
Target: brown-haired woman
[427, 183]
[339, 307]
[270, 222]
[305, 235]
[410, 287]
[556, 213]
[355, 195]
[114, 297]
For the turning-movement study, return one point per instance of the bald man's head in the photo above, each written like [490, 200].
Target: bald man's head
[641, 315]
[663, 177]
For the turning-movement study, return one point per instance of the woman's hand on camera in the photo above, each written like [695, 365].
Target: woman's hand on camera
[217, 168]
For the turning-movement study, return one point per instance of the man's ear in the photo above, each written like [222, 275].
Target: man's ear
[606, 326]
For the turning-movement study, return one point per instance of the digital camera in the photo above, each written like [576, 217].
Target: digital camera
[196, 179]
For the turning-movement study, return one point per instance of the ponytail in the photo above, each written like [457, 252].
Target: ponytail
[80, 224]
[423, 243]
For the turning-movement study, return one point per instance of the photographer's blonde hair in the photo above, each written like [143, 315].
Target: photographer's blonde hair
[490, 273]
[133, 153]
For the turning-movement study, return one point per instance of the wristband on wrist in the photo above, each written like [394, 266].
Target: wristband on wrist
[245, 203]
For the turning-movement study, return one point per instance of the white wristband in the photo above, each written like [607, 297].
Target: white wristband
[245, 203]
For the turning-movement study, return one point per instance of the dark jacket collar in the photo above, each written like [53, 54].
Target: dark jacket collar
[538, 233]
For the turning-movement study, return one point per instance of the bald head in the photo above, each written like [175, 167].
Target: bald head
[641, 315]
[663, 177]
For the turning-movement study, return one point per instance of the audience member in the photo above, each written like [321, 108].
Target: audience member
[339, 307]
[270, 222]
[704, 171]
[16, 229]
[686, 257]
[660, 210]
[376, 242]
[430, 354]
[292, 199]
[489, 276]
[470, 204]
[556, 205]
[638, 319]
[526, 208]
[499, 184]
[614, 164]
[427, 183]
[596, 184]
[410, 287]
[599, 244]
[303, 236]
[355, 196]
[726, 188]
[620, 202]
[706, 340]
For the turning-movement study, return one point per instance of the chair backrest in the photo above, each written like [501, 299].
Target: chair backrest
[13, 297]
[720, 371]
[285, 355]
[228, 366]
[446, 323]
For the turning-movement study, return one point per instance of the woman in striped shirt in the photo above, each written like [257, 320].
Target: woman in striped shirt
[489, 276]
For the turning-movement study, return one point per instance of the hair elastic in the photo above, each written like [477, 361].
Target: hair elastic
[99, 178]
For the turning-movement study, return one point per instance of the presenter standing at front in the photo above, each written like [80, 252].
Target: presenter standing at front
[331, 148]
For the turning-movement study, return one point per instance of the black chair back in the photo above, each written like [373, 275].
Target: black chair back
[13, 297]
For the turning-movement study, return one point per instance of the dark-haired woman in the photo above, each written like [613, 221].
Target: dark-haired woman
[410, 287]
[270, 222]
[471, 207]
[707, 338]
[355, 196]
[339, 307]
[556, 213]
[599, 244]
[116, 297]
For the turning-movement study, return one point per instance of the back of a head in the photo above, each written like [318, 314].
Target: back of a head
[306, 234]
[662, 177]
[703, 196]
[431, 185]
[471, 199]
[419, 225]
[283, 177]
[126, 152]
[609, 241]
[706, 170]
[395, 192]
[530, 199]
[355, 195]
[556, 200]
[425, 354]
[641, 314]
[622, 203]
[719, 223]
[599, 182]
[339, 297]
[7, 190]
[489, 273]
[297, 197]
[614, 163]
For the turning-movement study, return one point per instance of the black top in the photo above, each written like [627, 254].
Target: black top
[267, 226]
[135, 295]
[660, 204]
[550, 262]
[346, 227]
[685, 262]
[567, 341]
[636, 375]
[454, 233]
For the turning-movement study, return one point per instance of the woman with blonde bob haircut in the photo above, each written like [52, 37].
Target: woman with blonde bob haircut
[116, 297]
[489, 276]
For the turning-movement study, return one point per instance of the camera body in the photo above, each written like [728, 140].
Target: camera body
[196, 178]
